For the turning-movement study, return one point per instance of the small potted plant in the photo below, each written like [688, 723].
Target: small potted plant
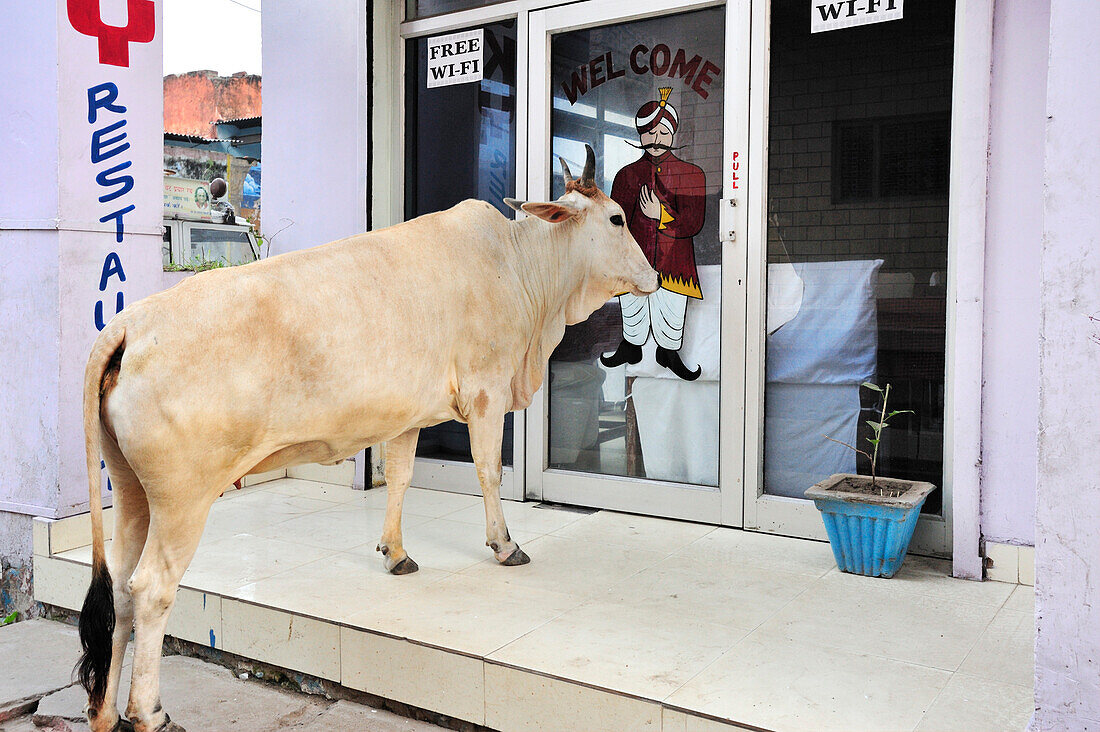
[870, 520]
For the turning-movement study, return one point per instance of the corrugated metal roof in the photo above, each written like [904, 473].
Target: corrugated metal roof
[239, 120]
[196, 140]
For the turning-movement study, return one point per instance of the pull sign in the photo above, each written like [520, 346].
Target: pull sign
[827, 15]
[457, 58]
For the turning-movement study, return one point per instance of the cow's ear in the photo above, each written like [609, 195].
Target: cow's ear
[555, 211]
[514, 204]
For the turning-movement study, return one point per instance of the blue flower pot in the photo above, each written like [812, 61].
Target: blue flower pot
[869, 533]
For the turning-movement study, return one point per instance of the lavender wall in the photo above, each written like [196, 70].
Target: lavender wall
[315, 128]
[1067, 553]
[1014, 231]
[60, 244]
[29, 277]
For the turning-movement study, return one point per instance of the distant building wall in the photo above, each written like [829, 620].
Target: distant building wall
[201, 164]
[195, 162]
[194, 101]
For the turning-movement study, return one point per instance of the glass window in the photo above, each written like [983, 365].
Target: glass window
[229, 246]
[423, 8]
[633, 391]
[461, 138]
[857, 244]
[166, 247]
[460, 143]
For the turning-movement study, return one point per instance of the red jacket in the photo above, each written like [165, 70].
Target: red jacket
[668, 244]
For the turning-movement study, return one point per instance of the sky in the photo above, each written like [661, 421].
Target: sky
[223, 35]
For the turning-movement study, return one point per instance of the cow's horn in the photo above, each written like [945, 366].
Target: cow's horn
[588, 177]
[565, 174]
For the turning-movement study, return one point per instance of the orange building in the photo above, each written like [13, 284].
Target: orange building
[195, 101]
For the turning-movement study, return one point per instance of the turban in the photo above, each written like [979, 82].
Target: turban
[654, 113]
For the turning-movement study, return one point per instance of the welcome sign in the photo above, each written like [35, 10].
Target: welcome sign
[827, 15]
[457, 58]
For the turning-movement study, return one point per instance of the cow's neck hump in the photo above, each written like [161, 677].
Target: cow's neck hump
[550, 265]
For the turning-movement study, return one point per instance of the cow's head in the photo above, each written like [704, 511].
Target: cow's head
[594, 228]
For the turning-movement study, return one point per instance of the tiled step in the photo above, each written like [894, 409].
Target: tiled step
[620, 621]
[448, 681]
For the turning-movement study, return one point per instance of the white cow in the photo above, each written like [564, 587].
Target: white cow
[311, 357]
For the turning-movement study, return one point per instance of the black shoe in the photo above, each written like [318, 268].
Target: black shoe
[671, 361]
[627, 352]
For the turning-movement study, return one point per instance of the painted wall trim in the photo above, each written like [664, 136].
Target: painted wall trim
[971, 85]
[29, 509]
[50, 512]
[61, 225]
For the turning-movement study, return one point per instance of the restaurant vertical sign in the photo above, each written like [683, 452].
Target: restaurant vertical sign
[111, 134]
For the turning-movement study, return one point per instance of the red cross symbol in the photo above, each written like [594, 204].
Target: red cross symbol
[114, 41]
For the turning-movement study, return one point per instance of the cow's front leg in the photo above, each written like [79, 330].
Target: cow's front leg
[486, 434]
[400, 455]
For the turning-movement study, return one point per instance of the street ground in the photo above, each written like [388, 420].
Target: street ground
[37, 693]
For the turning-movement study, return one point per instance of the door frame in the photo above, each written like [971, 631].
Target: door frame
[388, 205]
[721, 505]
[935, 534]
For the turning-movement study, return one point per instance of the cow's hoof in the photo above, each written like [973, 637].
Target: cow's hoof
[121, 725]
[405, 566]
[516, 558]
[169, 726]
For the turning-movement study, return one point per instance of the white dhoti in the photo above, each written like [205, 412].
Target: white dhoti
[662, 313]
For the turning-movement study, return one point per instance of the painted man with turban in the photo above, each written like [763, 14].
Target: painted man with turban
[665, 202]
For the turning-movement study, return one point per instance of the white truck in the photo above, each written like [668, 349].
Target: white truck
[201, 232]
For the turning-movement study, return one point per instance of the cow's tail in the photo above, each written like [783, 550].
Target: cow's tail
[97, 618]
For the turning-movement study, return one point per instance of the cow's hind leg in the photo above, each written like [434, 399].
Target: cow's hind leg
[131, 513]
[400, 455]
[486, 434]
[174, 533]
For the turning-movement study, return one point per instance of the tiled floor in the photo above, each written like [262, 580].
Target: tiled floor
[619, 622]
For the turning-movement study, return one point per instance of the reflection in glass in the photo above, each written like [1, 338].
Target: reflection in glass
[228, 246]
[857, 243]
[633, 391]
[460, 143]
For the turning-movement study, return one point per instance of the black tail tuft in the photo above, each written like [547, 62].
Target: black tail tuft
[97, 627]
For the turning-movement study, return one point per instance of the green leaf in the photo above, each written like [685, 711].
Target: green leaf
[876, 426]
[871, 386]
[873, 441]
[10, 619]
[900, 411]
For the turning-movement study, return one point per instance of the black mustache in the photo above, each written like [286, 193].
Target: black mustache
[654, 146]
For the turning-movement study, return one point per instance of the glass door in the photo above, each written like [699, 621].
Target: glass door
[848, 240]
[461, 131]
[642, 407]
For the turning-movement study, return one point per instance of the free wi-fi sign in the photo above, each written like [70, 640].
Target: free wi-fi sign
[827, 15]
[457, 58]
